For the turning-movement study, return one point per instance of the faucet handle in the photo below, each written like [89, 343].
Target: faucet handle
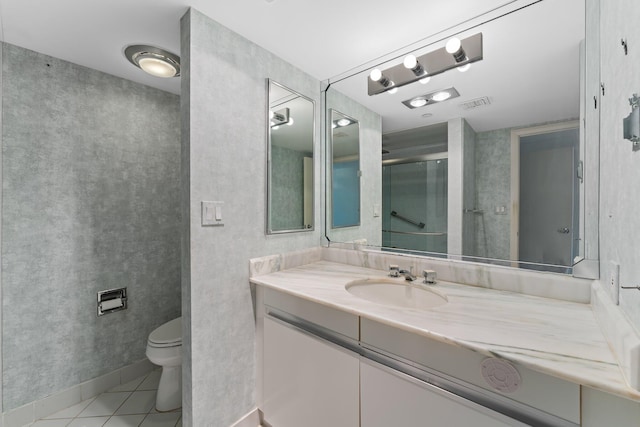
[394, 270]
[429, 276]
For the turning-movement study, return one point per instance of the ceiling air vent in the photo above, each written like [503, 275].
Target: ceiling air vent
[476, 103]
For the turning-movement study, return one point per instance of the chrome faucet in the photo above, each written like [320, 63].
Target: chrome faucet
[395, 271]
[408, 274]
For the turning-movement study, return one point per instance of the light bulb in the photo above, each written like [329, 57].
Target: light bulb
[425, 80]
[441, 96]
[418, 102]
[344, 122]
[464, 67]
[375, 75]
[453, 45]
[410, 62]
[271, 114]
[157, 67]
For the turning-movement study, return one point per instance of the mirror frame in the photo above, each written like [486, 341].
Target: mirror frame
[330, 201]
[269, 163]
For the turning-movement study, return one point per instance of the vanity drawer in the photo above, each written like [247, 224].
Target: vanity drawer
[321, 315]
[539, 391]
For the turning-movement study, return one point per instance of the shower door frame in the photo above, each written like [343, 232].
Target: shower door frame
[516, 134]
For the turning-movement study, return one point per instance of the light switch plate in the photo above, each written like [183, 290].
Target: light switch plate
[212, 213]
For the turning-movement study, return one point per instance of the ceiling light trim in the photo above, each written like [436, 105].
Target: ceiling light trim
[139, 52]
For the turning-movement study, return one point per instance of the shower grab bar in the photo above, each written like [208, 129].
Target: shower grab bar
[475, 211]
[410, 221]
[416, 233]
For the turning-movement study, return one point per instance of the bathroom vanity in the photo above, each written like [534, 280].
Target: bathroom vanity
[482, 358]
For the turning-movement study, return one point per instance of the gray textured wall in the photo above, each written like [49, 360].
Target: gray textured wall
[224, 153]
[287, 183]
[493, 188]
[469, 190]
[90, 202]
[371, 166]
[619, 165]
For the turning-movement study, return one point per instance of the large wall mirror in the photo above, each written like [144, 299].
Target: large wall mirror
[290, 122]
[345, 170]
[487, 166]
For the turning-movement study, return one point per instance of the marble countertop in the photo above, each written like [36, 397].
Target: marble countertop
[555, 337]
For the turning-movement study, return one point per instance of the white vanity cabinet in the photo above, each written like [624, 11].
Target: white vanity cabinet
[390, 398]
[540, 398]
[321, 366]
[307, 381]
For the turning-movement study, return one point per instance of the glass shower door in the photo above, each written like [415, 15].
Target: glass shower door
[414, 204]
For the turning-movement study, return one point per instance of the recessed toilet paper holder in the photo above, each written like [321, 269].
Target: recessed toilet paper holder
[112, 300]
[631, 124]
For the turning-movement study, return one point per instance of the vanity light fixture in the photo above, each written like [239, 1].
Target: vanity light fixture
[456, 53]
[153, 60]
[431, 98]
[377, 76]
[280, 117]
[411, 63]
[454, 47]
[343, 122]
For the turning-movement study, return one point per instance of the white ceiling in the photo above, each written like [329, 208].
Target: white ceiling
[324, 39]
[530, 73]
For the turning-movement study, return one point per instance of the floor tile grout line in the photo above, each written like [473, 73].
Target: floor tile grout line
[92, 399]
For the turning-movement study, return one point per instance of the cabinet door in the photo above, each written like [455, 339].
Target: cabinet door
[391, 398]
[307, 381]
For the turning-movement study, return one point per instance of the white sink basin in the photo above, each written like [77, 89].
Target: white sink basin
[396, 293]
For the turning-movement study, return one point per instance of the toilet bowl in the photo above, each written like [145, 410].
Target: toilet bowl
[164, 348]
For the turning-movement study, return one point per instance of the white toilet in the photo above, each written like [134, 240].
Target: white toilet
[164, 348]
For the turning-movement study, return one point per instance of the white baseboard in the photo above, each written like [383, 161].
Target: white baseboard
[58, 401]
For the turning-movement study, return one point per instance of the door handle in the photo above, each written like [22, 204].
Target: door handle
[563, 230]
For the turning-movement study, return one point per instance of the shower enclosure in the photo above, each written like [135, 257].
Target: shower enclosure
[414, 206]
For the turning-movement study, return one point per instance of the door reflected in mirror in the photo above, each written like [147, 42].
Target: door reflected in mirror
[290, 160]
[345, 170]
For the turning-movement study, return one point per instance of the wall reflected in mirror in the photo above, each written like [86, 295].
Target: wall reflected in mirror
[465, 206]
[290, 119]
[345, 170]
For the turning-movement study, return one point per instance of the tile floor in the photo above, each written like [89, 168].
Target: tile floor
[128, 405]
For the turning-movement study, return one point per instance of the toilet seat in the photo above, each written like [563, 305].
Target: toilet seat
[167, 335]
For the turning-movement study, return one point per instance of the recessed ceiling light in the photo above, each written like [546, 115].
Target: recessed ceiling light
[153, 60]
[418, 102]
[441, 96]
[431, 98]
